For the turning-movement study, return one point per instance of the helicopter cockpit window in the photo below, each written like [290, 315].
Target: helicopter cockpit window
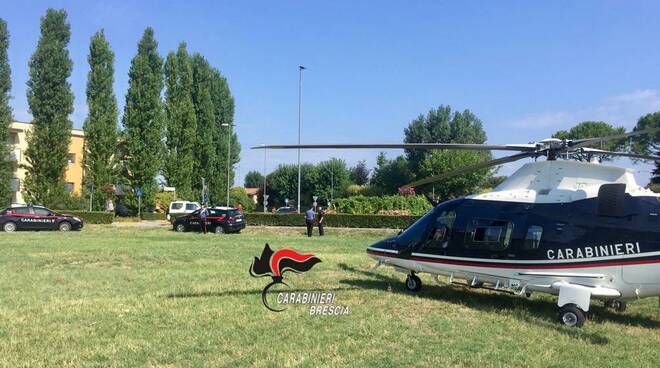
[489, 234]
[441, 231]
[533, 237]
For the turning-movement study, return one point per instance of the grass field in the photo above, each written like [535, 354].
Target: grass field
[111, 296]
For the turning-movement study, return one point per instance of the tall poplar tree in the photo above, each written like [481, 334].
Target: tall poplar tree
[6, 172]
[181, 122]
[223, 103]
[143, 118]
[100, 160]
[206, 159]
[51, 102]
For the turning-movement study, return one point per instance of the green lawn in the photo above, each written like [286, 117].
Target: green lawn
[111, 296]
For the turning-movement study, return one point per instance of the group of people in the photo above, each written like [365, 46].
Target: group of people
[311, 217]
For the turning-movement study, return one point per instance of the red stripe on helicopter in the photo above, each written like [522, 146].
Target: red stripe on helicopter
[587, 264]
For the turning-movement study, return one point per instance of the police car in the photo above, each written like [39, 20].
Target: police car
[219, 220]
[26, 217]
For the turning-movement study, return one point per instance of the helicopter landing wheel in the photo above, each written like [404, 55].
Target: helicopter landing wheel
[619, 306]
[571, 315]
[413, 283]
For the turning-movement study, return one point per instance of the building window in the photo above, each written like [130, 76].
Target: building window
[533, 237]
[72, 158]
[69, 187]
[13, 138]
[15, 184]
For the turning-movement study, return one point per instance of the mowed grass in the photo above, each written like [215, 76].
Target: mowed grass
[123, 296]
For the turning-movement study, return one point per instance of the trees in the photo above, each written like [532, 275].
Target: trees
[446, 160]
[360, 173]
[649, 143]
[100, 160]
[181, 122]
[223, 104]
[441, 125]
[283, 184]
[143, 117]
[332, 179]
[592, 129]
[206, 163]
[254, 179]
[51, 101]
[6, 171]
[389, 175]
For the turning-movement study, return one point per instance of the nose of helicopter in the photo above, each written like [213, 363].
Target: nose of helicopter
[383, 248]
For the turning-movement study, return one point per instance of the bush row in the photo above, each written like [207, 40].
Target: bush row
[413, 204]
[94, 217]
[333, 220]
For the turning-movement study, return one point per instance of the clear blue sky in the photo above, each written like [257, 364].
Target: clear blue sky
[526, 69]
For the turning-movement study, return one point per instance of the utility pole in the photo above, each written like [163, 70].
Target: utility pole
[300, 70]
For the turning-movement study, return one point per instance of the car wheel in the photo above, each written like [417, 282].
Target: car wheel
[180, 228]
[9, 227]
[219, 230]
[65, 226]
[571, 315]
[413, 283]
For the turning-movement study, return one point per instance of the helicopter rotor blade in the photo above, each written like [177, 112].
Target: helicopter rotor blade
[578, 143]
[458, 146]
[620, 154]
[468, 169]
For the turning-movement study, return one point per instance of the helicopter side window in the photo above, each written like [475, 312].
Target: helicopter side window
[489, 234]
[533, 237]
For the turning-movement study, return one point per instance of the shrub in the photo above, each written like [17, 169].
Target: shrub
[94, 217]
[339, 220]
[239, 195]
[163, 200]
[362, 205]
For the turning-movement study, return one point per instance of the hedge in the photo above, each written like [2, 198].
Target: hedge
[94, 217]
[154, 216]
[333, 220]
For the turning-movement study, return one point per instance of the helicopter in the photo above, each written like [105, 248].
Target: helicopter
[582, 231]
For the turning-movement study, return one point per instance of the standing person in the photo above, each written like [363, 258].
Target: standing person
[321, 220]
[240, 208]
[109, 206]
[203, 213]
[309, 220]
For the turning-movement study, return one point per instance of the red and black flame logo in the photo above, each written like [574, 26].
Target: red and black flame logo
[274, 264]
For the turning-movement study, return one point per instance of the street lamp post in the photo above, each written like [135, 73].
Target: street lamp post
[228, 157]
[300, 70]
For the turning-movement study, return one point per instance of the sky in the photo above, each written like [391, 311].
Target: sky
[526, 69]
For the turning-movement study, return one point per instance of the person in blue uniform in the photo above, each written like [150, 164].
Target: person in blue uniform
[309, 220]
[203, 213]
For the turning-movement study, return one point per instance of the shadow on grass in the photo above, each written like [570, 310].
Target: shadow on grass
[207, 294]
[534, 310]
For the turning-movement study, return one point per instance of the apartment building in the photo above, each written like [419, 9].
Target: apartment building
[74, 171]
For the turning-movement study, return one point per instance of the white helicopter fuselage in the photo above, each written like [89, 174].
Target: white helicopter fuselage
[582, 231]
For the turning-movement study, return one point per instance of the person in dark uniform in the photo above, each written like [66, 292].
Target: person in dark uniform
[309, 220]
[321, 220]
[203, 213]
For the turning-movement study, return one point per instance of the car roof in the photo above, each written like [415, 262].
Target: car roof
[223, 208]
